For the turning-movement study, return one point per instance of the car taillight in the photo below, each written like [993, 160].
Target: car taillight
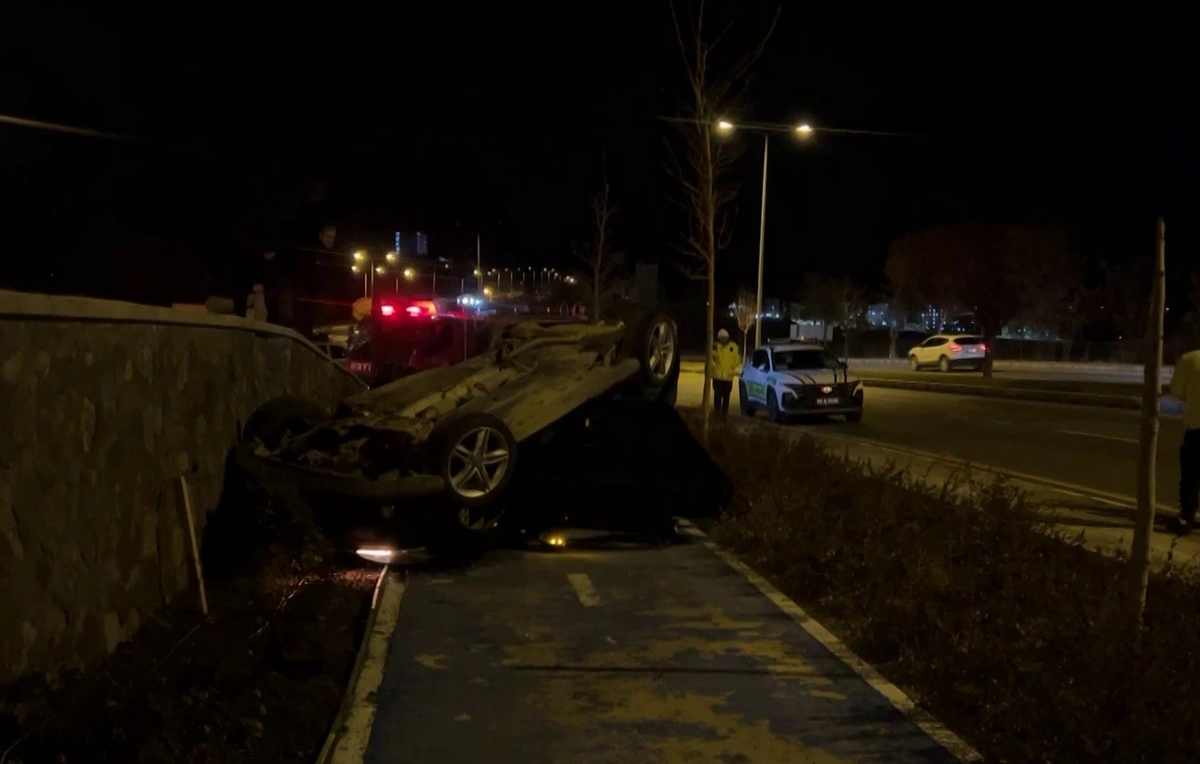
[954, 348]
[982, 348]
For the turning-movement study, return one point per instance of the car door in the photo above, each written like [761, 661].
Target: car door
[928, 351]
[754, 374]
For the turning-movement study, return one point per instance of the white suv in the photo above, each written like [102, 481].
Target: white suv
[798, 378]
[948, 351]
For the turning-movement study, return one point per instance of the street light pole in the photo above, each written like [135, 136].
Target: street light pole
[762, 239]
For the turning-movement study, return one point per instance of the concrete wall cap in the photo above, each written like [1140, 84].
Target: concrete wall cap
[68, 308]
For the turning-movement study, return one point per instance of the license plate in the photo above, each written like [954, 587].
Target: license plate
[360, 367]
[828, 401]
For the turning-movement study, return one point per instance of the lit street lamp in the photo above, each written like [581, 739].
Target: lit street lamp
[803, 130]
[409, 274]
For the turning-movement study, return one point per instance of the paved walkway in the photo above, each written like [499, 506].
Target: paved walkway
[591, 656]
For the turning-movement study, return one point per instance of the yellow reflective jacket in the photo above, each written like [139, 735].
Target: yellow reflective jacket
[725, 361]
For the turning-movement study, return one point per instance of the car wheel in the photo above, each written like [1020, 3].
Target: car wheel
[475, 455]
[274, 420]
[773, 412]
[913, 364]
[854, 417]
[654, 341]
[944, 364]
[744, 401]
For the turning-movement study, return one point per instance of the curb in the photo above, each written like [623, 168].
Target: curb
[351, 729]
[937, 731]
[1134, 402]
[1165, 405]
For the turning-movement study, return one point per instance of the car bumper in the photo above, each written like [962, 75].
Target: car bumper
[806, 404]
[968, 361]
[308, 481]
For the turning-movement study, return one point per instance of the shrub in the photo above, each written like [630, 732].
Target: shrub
[1007, 631]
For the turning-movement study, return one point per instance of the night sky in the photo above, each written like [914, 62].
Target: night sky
[454, 118]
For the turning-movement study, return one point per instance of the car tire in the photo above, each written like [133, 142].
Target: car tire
[913, 363]
[653, 339]
[475, 454]
[944, 364]
[744, 400]
[274, 420]
[773, 412]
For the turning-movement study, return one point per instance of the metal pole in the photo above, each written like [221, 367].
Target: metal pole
[762, 238]
[479, 262]
[435, 279]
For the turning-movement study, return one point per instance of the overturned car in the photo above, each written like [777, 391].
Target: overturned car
[432, 454]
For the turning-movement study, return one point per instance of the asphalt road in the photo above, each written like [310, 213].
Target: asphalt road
[1090, 447]
[621, 654]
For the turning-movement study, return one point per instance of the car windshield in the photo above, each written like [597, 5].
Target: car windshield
[794, 360]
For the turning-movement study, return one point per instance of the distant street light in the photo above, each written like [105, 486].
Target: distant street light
[487, 291]
[359, 255]
[355, 268]
[390, 257]
[380, 270]
[804, 129]
[410, 274]
[725, 126]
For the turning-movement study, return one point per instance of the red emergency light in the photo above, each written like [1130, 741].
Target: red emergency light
[387, 309]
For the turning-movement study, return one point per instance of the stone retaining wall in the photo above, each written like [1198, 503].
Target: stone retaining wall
[103, 406]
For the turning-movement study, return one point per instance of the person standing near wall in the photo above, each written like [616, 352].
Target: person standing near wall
[256, 304]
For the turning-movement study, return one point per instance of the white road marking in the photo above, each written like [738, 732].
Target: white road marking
[347, 742]
[1082, 434]
[904, 704]
[584, 589]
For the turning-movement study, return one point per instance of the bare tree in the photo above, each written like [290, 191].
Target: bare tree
[701, 168]
[745, 310]
[1127, 302]
[837, 302]
[1061, 303]
[601, 261]
[1143, 528]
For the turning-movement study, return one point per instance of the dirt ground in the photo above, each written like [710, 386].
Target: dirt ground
[260, 680]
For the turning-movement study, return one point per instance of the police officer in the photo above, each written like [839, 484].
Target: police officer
[724, 362]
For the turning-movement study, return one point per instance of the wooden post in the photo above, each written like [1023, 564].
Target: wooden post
[191, 522]
[1143, 528]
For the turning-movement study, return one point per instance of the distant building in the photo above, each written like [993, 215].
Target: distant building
[411, 244]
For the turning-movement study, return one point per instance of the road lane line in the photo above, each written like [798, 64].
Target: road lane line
[1098, 435]
[584, 589]
[904, 704]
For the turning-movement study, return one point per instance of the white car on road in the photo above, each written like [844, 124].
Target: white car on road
[948, 352]
[791, 379]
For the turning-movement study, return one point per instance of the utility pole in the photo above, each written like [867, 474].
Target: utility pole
[1143, 528]
[762, 239]
[479, 262]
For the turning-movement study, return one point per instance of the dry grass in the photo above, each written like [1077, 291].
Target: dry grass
[1008, 632]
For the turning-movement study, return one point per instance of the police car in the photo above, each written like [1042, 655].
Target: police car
[794, 378]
